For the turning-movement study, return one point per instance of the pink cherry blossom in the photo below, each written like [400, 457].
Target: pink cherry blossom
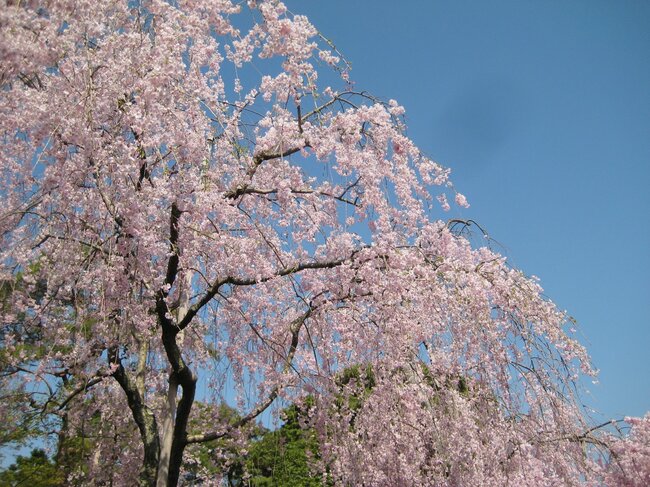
[190, 214]
[461, 200]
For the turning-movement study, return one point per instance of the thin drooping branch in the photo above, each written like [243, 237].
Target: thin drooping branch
[80, 389]
[295, 328]
[337, 98]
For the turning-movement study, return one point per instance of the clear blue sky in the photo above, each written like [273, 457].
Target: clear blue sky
[542, 110]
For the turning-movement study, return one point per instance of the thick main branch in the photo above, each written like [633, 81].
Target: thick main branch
[257, 160]
[212, 291]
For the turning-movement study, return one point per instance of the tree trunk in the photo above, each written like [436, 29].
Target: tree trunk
[176, 418]
[187, 379]
[150, 440]
[167, 433]
[144, 418]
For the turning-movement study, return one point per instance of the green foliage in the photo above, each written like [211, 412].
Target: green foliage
[20, 420]
[74, 454]
[358, 374]
[272, 458]
[230, 460]
[19, 424]
[356, 384]
[281, 457]
[37, 470]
